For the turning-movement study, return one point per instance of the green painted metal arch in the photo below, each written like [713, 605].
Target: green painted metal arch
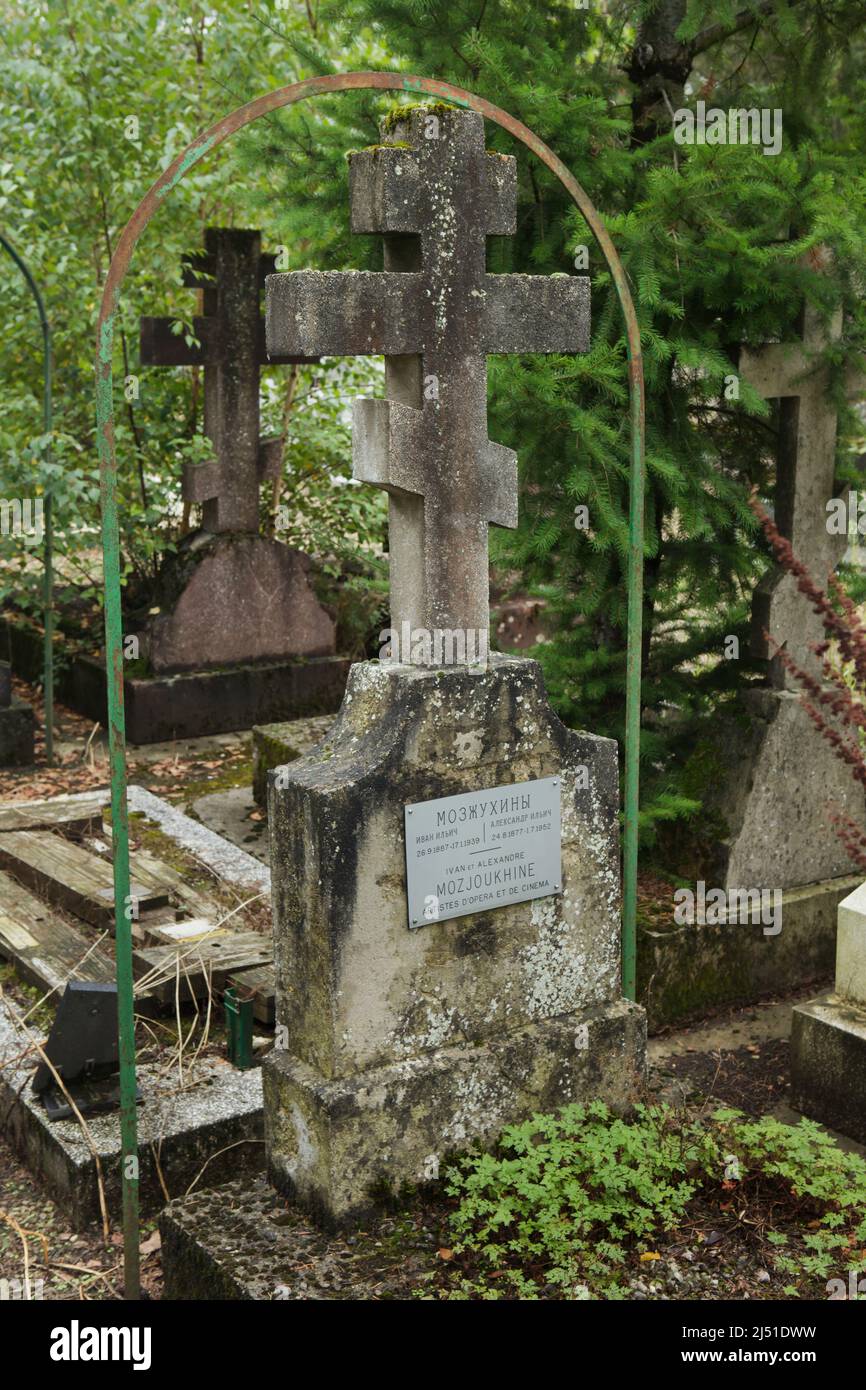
[201, 146]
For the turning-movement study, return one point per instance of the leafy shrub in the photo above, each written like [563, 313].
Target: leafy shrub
[566, 1199]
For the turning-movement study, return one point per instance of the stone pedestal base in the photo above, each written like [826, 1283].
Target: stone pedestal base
[16, 734]
[336, 1146]
[685, 971]
[231, 600]
[403, 1041]
[828, 1064]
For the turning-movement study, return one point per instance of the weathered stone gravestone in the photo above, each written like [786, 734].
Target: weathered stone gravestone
[782, 778]
[233, 595]
[792, 374]
[445, 864]
[16, 724]
[828, 1035]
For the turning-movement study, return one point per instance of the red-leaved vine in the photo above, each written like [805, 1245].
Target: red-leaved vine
[842, 624]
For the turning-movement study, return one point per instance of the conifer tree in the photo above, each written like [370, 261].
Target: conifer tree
[715, 240]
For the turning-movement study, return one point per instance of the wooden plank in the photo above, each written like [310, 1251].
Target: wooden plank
[177, 933]
[214, 957]
[71, 817]
[46, 951]
[260, 982]
[149, 868]
[72, 877]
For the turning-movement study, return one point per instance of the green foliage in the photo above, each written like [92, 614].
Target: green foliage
[713, 240]
[571, 1192]
[720, 245]
[324, 511]
[805, 1162]
[566, 1201]
[74, 80]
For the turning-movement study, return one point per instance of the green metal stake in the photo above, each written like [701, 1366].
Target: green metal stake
[239, 1026]
[124, 908]
[633, 689]
[47, 519]
[170, 177]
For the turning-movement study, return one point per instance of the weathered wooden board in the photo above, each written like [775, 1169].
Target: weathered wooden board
[260, 982]
[71, 817]
[211, 958]
[47, 951]
[150, 869]
[73, 877]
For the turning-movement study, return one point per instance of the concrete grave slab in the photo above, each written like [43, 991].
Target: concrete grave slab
[204, 1134]
[190, 704]
[828, 1035]
[828, 1064]
[276, 745]
[685, 970]
[226, 860]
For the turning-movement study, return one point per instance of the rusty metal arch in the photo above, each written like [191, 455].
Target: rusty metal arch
[150, 203]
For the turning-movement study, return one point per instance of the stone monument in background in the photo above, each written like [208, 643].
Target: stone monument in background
[779, 781]
[231, 595]
[828, 1034]
[446, 863]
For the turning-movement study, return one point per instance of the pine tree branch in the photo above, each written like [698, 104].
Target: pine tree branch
[718, 33]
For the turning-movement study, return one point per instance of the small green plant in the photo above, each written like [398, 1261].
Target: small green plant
[566, 1195]
[566, 1201]
[802, 1167]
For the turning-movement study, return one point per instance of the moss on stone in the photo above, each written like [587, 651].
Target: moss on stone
[398, 114]
[235, 774]
[40, 1011]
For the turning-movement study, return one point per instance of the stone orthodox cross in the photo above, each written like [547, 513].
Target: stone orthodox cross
[793, 373]
[436, 195]
[231, 338]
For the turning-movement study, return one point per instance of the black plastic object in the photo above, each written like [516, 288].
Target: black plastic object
[82, 1044]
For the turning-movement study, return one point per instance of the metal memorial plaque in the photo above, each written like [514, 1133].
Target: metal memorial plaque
[479, 850]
